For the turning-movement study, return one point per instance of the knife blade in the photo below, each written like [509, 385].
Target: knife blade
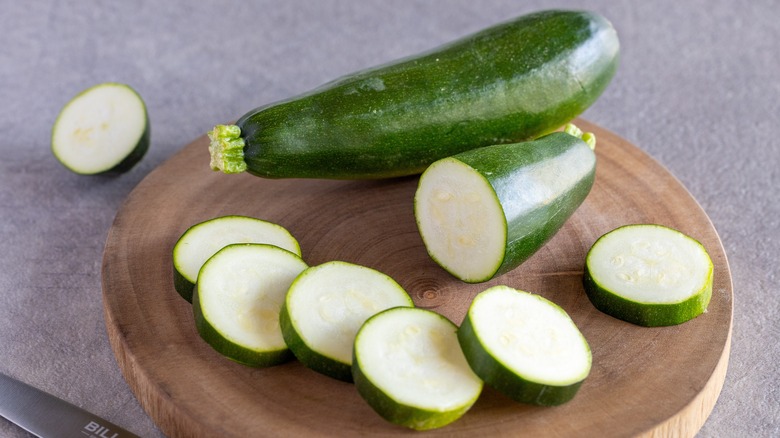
[47, 416]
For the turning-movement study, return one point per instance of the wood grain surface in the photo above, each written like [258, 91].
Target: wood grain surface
[644, 381]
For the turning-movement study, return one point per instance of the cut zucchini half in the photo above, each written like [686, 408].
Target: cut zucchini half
[483, 212]
[410, 369]
[204, 239]
[325, 307]
[238, 296]
[524, 346]
[103, 129]
[649, 275]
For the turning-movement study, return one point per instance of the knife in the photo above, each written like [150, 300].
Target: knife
[47, 416]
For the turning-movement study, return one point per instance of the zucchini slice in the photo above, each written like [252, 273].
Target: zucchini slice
[524, 346]
[204, 239]
[325, 307]
[103, 129]
[410, 369]
[238, 296]
[649, 275]
[483, 212]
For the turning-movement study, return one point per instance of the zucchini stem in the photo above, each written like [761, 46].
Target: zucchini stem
[588, 137]
[227, 149]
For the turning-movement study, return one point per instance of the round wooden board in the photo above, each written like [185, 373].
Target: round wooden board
[644, 381]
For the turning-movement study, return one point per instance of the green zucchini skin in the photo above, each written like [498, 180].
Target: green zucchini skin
[539, 185]
[507, 83]
[646, 314]
[183, 286]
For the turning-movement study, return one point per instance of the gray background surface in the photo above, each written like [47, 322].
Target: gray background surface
[698, 89]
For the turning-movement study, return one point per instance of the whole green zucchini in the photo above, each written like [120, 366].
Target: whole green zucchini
[507, 83]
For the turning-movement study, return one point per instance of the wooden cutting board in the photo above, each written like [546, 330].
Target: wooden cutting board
[644, 381]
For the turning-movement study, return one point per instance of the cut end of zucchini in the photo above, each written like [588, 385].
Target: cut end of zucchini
[409, 368]
[461, 220]
[103, 129]
[588, 137]
[649, 275]
[524, 346]
[227, 149]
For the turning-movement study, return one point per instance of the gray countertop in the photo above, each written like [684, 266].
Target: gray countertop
[698, 88]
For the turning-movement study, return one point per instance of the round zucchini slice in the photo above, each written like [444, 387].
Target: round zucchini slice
[649, 275]
[103, 129]
[204, 239]
[325, 307]
[524, 346]
[409, 368]
[238, 296]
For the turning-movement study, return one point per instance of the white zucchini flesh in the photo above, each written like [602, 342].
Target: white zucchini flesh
[204, 239]
[239, 294]
[409, 367]
[649, 275]
[328, 303]
[461, 220]
[650, 264]
[99, 128]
